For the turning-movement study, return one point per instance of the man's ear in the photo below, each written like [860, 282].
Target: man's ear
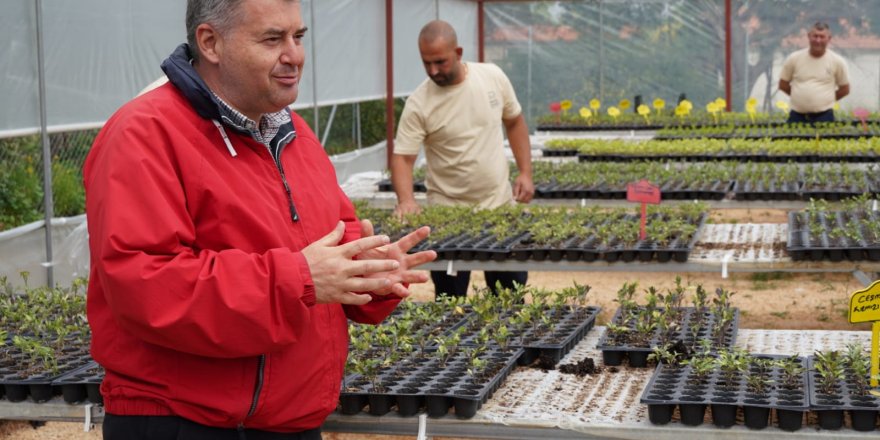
[458, 52]
[210, 43]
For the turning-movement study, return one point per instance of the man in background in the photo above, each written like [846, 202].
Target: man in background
[457, 114]
[815, 78]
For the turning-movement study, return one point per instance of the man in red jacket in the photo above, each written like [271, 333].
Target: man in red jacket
[225, 259]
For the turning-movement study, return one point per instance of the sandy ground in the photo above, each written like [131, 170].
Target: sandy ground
[766, 301]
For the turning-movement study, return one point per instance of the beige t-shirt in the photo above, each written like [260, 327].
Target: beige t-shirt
[460, 127]
[814, 81]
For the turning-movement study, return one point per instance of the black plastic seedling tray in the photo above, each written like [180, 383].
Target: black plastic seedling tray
[674, 386]
[830, 408]
[423, 384]
[613, 354]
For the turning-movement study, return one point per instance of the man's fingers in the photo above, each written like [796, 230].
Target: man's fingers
[369, 267]
[352, 298]
[400, 290]
[420, 258]
[333, 237]
[414, 277]
[413, 238]
[360, 245]
[366, 228]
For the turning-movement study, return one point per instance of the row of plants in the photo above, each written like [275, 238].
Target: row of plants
[820, 233]
[705, 181]
[763, 150]
[833, 384]
[538, 233]
[407, 365]
[634, 115]
[43, 335]
[819, 130]
[664, 322]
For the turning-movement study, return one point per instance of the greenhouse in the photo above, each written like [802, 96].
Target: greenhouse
[647, 218]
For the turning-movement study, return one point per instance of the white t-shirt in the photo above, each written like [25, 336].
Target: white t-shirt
[814, 81]
[461, 129]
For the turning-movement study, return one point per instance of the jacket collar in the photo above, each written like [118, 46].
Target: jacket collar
[181, 73]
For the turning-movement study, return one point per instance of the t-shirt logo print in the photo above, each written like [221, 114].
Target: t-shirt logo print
[493, 100]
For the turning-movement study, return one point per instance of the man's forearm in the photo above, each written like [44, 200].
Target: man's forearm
[520, 145]
[402, 177]
[785, 87]
[841, 92]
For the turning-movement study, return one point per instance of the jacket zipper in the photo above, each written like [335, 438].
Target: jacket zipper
[294, 216]
[257, 389]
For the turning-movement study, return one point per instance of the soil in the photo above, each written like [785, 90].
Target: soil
[580, 369]
[772, 300]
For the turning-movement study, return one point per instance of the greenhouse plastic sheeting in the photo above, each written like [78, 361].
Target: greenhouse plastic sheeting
[23, 249]
[100, 53]
[616, 49]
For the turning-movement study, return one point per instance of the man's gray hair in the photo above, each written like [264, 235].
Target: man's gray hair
[221, 14]
[821, 26]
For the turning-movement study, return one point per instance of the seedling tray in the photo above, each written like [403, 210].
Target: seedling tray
[569, 329]
[803, 246]
[38, 386]
[673, 386]
[613, 353]
[81, 384]
[863, 409]
[422, 384]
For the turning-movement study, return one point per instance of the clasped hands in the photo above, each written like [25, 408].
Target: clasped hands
[371, 263]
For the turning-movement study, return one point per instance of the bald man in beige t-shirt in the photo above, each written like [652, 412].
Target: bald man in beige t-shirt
[814, 78]
[458, 114]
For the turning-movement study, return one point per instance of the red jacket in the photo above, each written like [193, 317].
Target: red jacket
[200, 302]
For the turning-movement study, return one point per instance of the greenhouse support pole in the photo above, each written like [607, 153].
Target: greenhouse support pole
[481, 26]
[728, 68]
[389, 82]
[48, 197]
[317, 123]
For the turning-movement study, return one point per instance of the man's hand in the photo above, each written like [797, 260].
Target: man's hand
[405, 208]
[523, 189]
[337, 275]
[398, 251]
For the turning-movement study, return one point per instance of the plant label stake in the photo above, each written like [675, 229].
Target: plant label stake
[864, 306]
[643, 192]
[862, 114]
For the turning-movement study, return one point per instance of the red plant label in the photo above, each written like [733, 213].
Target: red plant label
[643, 191]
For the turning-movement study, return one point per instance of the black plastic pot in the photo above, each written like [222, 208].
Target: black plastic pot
[660, 414]
[863, 420]
[830, 419]
[789, 420]
[692, 414]
[756, 417]
[723, 416]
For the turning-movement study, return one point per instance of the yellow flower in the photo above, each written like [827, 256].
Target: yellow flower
[686, 104]
[721, 103]
[836, 106]
[681, 110]
[782, 105]
[624, 104]
[613, 112]
[643, 110]
[659, 104]
[585, 113]
[751, 102]
[750, 109]
[595, 104]
[565, 104]
[712, 107]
